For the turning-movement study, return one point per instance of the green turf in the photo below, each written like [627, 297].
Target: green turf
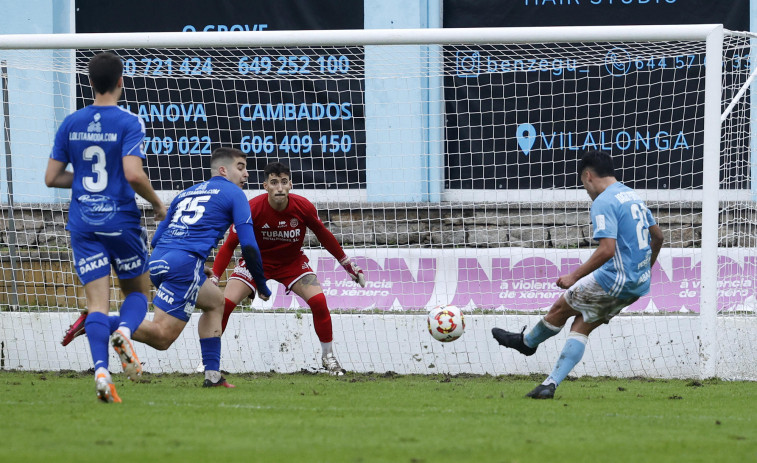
[369, 418]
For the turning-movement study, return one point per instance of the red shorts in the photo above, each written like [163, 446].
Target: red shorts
[287, 274]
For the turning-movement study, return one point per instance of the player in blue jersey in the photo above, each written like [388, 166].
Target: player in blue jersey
[197, 219]
[615, 276]
[103, 144]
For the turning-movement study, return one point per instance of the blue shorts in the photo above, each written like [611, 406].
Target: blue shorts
[95, 252]
[177, 276]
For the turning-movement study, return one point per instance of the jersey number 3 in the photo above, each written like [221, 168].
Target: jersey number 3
[99, 181]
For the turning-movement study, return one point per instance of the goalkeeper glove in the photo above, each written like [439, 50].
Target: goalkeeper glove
[355, 272]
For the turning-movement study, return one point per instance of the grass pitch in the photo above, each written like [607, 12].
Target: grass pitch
[54, 416]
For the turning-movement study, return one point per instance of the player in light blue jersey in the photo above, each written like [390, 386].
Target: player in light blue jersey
[197, 219]
[615, 276]
[103, 144]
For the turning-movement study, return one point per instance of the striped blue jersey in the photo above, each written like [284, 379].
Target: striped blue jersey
[94, 140]
[619, 213]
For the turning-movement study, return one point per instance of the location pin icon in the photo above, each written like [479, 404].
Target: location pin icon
[526, 137]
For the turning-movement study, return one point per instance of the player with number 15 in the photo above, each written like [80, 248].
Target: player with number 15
[197, 219]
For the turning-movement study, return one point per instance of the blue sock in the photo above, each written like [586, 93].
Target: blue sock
[211, 353]
[133, 311]
[114, 320]
[540, 333]
[571, 354]
[98, 332]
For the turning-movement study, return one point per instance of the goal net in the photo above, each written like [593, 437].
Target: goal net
[444, 161]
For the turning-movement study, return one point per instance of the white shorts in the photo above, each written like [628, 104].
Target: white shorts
[589, 298]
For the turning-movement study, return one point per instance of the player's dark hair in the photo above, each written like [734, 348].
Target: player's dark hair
[223, 156]
[598, 161]
[276, 168]
[104, 71]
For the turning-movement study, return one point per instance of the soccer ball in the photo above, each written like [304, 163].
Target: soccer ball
[446, 323]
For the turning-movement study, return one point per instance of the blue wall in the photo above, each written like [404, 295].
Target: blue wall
[405, 110]
[37, 104]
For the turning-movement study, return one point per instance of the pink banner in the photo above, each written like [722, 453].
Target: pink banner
[387, 282]
[509, 279]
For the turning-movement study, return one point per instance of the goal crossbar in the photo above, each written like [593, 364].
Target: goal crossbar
[359, 37]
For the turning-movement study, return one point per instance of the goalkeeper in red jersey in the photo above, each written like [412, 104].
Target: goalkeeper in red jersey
[280, 219]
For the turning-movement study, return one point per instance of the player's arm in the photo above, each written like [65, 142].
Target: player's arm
[132, 156]
[164, 223]
[604, 252]
[655, 233]
[139, 181]
[56, 175]
[252, 258]
[329, 241]
[250, 250]
[224, 255]
[158, 232]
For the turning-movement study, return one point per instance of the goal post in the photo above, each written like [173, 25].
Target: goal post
[710, 203]
[444, 162]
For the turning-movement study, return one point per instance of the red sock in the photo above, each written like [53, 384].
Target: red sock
[228, 307]
[321, 317]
